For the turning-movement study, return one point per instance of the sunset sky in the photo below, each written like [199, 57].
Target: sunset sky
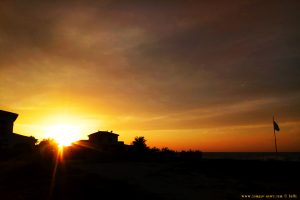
[205, 75]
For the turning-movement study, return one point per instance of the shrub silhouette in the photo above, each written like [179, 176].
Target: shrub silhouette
[139, 143]
[191, 155]
[48, 151]
[139, 149]
[168, 152]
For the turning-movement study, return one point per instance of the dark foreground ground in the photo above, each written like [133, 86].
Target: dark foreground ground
[204, 179]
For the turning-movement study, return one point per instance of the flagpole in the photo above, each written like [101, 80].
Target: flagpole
[274, 135]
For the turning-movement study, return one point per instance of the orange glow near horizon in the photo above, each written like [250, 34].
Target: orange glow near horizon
[64, 128]
[67, 127]
[63, 134]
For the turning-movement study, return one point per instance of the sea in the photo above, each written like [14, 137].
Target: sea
[283, 156]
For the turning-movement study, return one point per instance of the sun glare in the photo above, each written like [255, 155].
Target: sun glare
[63, 134]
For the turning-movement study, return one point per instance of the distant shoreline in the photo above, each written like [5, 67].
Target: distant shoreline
[284, 156]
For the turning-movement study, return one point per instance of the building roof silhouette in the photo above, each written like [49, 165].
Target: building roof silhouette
[103, 133]
[8, 116]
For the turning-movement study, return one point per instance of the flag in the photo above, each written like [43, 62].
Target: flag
[276, 127]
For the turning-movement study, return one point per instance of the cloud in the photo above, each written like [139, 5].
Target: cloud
[165, 64]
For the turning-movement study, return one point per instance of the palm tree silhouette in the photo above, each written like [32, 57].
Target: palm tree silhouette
[139, 147]
[139, 143]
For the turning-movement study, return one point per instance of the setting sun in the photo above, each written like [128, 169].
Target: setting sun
[63, 134]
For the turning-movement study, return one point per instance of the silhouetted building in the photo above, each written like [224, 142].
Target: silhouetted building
[7, 120]
[103, 138]
[8, 139]
[102, 141]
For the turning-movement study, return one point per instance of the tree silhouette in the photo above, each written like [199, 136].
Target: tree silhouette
[45, 143]
[139, 147]
[33, 140]
[139, 142]
[48, 149]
